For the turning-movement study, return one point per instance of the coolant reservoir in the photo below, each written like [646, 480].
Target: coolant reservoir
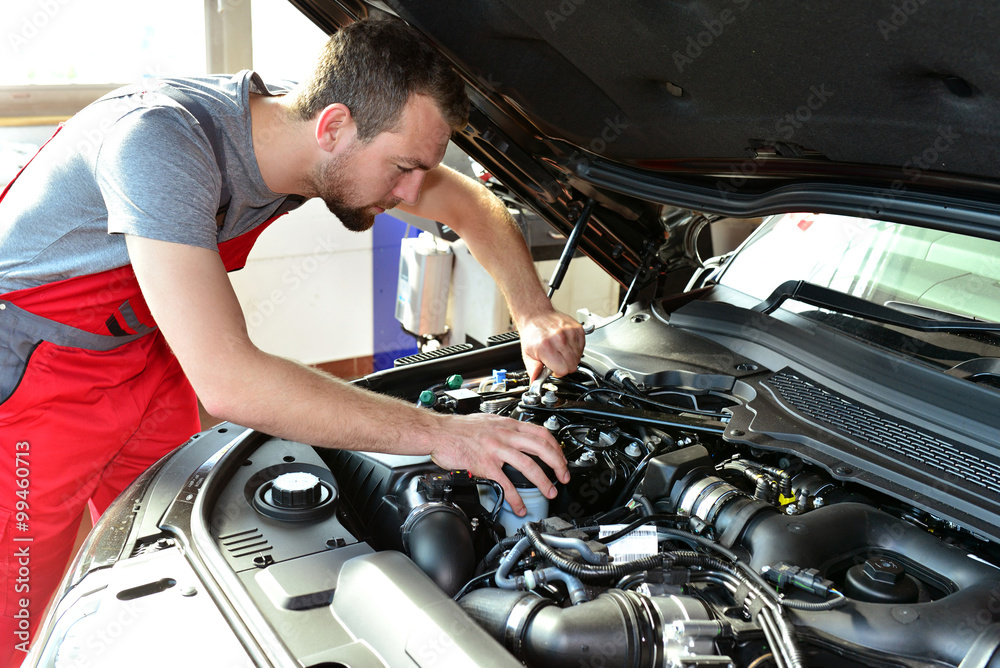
[535, 502]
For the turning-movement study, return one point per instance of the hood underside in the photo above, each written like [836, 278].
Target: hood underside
[735, 107]
[880, 82]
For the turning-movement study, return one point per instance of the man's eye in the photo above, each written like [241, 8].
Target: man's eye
[404, 169]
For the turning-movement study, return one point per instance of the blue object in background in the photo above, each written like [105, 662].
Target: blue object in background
[389, 340]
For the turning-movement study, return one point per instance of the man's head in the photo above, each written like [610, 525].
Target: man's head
[374, 67]
[383, 104]
[364, 179]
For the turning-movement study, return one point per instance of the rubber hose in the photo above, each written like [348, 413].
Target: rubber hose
[589, 571]
[613, 630]
[832, 604]
[491, 608]
[503, 545]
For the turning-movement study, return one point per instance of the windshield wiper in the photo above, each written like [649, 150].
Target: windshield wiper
[815, 295]
[977, 369]
[930, 312]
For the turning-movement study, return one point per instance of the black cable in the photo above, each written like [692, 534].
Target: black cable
[474, 581]
[737, 568]
[831, 604]
[646, 504]
[498, 489]
[743, 572]
[601, 390]
[565, 433]
[590, 571]
[631, 580]
[635, 478]
[622, 395]
[648, 519]
[616, 515]
[587, 371]
[559, 382]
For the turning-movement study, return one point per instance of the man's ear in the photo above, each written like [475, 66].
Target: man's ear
[334, 125]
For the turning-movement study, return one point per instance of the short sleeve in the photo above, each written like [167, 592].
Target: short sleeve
[158, 176]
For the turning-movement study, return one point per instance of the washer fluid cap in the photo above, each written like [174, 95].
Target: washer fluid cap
[296, 490]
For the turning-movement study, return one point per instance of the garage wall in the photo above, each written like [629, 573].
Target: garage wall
[306, 289]
[307, 292]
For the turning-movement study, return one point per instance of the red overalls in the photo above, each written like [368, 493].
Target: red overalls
[97, 398]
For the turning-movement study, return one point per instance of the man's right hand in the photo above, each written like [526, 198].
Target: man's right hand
[193, 303]
[482, 443]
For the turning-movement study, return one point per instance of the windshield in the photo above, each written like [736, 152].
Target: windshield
[883, 263]
[874, 260]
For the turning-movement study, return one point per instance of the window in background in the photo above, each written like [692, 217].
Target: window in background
[58, 42]
[285, 42]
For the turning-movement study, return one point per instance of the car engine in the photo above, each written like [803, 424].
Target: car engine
[736, 499]
[730, 554]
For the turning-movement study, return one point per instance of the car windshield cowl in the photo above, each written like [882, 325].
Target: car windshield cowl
[816, 295]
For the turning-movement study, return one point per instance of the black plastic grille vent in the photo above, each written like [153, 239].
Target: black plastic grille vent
[822, 405]
[245, 543]
[433, 354]
[506, 337]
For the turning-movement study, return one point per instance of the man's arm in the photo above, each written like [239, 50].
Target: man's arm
[192, 301]
[548, 337]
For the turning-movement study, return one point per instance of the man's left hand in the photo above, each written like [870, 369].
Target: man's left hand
[551, 339]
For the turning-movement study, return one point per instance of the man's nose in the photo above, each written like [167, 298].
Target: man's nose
[408, 187]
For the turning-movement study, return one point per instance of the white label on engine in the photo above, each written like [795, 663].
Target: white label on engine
[635, 545]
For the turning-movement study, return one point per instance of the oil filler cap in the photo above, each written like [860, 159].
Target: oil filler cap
[296, 490]
[881, 580]
[294, 497]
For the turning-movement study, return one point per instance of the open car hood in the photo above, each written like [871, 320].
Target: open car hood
[811, 484]
[733, 107]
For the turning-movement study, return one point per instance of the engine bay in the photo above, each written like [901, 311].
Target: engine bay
[679, 540]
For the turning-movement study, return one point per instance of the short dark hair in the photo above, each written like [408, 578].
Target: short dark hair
[373, 67]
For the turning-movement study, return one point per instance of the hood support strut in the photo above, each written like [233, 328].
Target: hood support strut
[570, 248]
[645, 262]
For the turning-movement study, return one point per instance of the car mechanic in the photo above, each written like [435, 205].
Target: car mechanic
[116, 310]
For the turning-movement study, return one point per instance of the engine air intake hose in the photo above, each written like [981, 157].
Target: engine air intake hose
[615, 629]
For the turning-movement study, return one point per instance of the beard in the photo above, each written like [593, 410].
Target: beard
[333, 184]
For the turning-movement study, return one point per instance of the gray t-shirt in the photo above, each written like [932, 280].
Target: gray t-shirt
[135, 162]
